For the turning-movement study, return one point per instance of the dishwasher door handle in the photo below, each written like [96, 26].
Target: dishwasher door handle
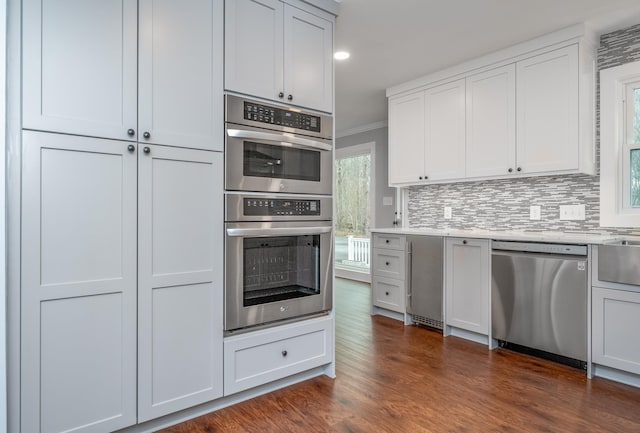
[409, 282]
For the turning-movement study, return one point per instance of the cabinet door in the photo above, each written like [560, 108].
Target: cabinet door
[547, 106]
[80, 67]
[445, 131]
[467, 284]
[616, 320]
[78, 346]
[406, 139]
[180, 279]
[254, 47]
[180, 79]
[491, 122]
[308, 59]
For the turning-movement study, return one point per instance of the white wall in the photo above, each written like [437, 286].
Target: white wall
[3, 238]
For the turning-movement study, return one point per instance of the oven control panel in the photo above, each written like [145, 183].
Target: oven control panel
[280, 116]
[280, 207]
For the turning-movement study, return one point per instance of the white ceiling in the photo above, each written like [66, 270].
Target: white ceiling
[393, 41]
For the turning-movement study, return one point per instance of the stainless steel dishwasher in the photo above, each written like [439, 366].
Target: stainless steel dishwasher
[425, 255]
[539, 298]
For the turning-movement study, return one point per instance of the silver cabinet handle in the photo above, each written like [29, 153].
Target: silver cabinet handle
[280, 231]
[284, 138]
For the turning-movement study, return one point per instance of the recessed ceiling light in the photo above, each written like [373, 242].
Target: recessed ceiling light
[341, 55]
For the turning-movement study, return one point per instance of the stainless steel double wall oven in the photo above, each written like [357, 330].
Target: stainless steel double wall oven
[278, 214]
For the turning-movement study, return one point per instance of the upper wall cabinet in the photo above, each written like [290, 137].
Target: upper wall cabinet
[279, 52]
[548, 101]
[429, 135]
[83, 73]
[524, 111]
[491, 122]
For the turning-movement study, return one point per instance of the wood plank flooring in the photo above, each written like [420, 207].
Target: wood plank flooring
[392, 378]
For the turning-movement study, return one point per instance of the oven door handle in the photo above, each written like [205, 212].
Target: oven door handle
[280, 231]
[284, 138]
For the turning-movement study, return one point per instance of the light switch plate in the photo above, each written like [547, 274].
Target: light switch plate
[387, 201]
[447, 212]
[576, 212]
[534, 212]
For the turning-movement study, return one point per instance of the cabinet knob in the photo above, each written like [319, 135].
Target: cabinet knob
[146, 135]
[146, 150]
[284, 353]
[464, 242]
[386, 263]
[510, 170]
[290, 97]
[519, 168]
[280, 95]
[387, 240]
[426, 178]
[420, 178]
[131, 148]
[386, 293]
[131, 132]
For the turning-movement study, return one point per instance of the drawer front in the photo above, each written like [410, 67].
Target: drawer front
[389, 294]
[392, 242]
[263, 356]
[389, 264]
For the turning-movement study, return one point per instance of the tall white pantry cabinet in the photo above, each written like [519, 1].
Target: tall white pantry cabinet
[121, 296]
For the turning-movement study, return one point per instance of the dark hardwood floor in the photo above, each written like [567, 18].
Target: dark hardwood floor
[392, 378]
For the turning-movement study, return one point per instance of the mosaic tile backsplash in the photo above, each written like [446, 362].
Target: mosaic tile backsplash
[504, 204]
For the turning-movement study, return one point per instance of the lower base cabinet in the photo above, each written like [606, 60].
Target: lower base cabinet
[259, 357]
[615, 336]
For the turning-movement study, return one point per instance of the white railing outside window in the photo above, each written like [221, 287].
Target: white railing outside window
[358, 251]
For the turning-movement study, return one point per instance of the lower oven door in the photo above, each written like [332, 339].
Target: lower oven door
[276, 271]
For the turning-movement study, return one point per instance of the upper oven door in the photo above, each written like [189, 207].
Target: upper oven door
[261, 160]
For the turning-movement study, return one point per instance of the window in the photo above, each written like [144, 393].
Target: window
[620, 146]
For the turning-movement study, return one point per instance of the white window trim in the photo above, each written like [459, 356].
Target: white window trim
[614, 205]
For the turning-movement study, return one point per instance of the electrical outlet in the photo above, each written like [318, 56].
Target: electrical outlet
[447, 212]
[574, 212]
[534, 212]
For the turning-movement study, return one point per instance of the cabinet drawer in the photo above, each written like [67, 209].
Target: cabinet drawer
[388, 293]
[392, 242]
[389, 263]
[616, 320]
[263, 356]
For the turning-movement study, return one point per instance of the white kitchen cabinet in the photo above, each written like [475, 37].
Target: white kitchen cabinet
[80, 66]
[615, 324]
[528, 111]
[180, 85]
[427, 135]
[491, 122]
[548, 112]
[279, 52]
[83, 74]
[388, 272]
[180, 287]
[467, 284]
[78, 295]
[406, 139]
[445, 131]
[259, 357]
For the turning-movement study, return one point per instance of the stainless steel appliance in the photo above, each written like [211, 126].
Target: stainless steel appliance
[539, 297]
[278, 253]
[424, 293]
[619, 262]
[277, 149]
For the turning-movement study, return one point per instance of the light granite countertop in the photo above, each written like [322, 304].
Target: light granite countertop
[555, 237]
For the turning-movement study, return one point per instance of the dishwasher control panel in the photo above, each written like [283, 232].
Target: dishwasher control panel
[538, 247]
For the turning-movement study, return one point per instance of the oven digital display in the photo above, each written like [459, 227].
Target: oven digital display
[280, 116]
[280, 207]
